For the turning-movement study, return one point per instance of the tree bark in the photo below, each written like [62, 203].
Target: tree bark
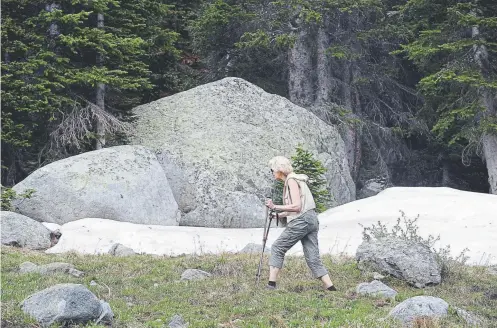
[54, 29]
[489, 102]
[300, 86]
[445, 174]
[490, 152]
[100, 93]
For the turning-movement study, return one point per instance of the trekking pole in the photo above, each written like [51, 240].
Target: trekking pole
[264, 239]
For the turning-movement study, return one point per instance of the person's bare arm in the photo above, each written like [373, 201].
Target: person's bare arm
[283, 214]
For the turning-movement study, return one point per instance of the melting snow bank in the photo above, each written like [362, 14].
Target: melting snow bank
[462, 219]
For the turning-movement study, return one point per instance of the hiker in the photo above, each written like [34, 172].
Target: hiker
[299, 210]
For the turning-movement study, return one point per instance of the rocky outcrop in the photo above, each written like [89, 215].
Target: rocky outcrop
[20, 231]
[410, 261]
[124, 183]
[372, 187]
[214, 143]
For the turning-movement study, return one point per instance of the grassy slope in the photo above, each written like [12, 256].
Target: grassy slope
[145, 291]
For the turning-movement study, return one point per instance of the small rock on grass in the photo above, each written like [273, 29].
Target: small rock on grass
[471, 319]
[195, 274]
[121, 250]
[177, 321]
[376, 288]
[51, 268]
[252, 248]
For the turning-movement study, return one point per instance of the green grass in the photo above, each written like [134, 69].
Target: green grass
[146, 291]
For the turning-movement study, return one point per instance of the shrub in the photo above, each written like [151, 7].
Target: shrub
[8, 195]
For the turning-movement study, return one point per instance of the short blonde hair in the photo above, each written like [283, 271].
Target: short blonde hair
[281, 164]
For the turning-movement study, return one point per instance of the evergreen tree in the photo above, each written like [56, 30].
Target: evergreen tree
[454, 45]
[57, 60]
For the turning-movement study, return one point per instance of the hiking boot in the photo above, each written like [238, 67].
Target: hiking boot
[269, 287]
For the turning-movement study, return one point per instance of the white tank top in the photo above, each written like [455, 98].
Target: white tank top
[306, 199]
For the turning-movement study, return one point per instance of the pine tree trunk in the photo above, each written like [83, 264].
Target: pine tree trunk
[358, 135]
[488, 99]
[445, 175]
[490, 151]
[100, 96]
[54, 29]
[349, 135]
[300, 86]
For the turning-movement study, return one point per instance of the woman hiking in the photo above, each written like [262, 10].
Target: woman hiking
[299, 209]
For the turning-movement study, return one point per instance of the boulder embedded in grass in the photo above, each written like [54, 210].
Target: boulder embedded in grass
[51, 268]
[66, 303]
[471, 319]
[177, 321]
[419, 307]
[376, 289]
[195, 274]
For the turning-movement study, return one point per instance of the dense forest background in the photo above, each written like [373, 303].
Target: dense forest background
[412, 85]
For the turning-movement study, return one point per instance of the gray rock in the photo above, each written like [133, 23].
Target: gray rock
[121, 250]
[375, 288]
[51, 268]
[471, 319]
[419, 306]
[64, 303]
[21, 231]
[76, 273]
[377, 276]
[252, 248]
[410, 261]
[194, 274]
[177, 321]
[28, 267]
[372, 187]
[106, 314]
[124, 183]
[214, 143]
[54, 237]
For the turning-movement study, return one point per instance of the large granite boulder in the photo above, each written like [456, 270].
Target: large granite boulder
[20, 231]
[410, 261]
[214, 143]
[124, 183]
